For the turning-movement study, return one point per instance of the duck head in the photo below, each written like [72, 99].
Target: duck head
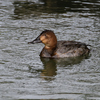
[48, 38]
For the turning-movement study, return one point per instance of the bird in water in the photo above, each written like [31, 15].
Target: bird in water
[59, 49]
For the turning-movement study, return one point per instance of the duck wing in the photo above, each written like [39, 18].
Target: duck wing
[71, 48]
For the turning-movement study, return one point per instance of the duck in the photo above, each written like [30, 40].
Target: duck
[59, 49]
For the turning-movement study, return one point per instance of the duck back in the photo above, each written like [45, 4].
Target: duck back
[70, 49]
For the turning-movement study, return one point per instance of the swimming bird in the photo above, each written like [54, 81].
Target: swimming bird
[59, 49]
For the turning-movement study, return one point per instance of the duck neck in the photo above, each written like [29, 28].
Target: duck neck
[47, 51]
[50, 50]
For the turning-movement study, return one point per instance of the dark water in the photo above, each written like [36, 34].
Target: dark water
[24, 75]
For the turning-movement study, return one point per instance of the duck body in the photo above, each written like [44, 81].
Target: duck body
[60, 49]
[66, 49]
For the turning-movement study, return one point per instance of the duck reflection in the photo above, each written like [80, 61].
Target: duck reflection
[50, 68]
[50, 65]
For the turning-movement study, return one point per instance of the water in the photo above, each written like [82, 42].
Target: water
[23, 74]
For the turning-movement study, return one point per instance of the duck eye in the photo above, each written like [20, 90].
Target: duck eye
[45, 35]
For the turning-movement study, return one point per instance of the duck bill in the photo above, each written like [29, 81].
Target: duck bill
[37, 40]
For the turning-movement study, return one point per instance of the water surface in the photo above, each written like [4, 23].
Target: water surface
[24, 75]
